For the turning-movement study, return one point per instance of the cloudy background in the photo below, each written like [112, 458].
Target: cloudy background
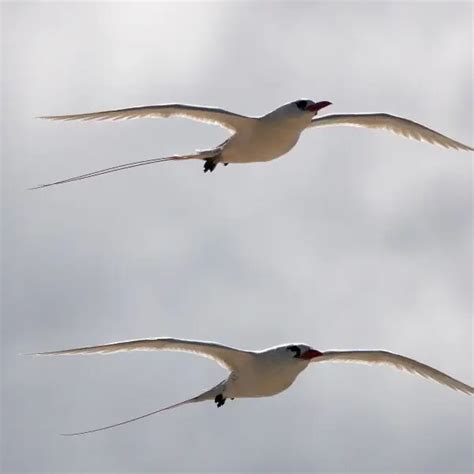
[355, 239]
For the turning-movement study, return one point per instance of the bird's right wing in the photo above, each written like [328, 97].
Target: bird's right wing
[226, 356]
[395, 360]
[213, 115]
[392, 123]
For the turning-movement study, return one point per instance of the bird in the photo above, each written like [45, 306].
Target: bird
[255, 139]
[261, 373]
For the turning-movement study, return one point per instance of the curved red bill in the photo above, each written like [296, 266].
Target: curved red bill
[318, 106]
[311, 354]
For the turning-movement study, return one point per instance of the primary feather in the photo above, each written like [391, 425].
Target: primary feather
[226, 356]
[213, 115]
[392, 123]
[398, 361]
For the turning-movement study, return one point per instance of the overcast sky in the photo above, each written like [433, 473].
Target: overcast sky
[355, 239]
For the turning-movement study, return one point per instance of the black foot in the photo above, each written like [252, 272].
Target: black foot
[209, 165]
[220, 400]
[225, 164]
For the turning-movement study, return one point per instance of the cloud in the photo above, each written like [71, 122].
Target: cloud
[355, 239]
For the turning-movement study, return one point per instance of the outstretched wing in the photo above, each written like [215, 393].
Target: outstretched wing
[392, 123]
[227, 357]
[212, 115]
[207, 395]
[395, 360]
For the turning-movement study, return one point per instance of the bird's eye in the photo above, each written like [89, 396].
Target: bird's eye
[302, 104]
[294, 349]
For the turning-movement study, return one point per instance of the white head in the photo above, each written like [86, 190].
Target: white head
[301, 111]
[296, 352]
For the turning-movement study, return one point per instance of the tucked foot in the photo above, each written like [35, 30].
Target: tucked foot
[220, 400]
[209, 165]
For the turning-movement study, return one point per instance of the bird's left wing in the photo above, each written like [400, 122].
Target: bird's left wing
[392, 123]
[213, 115]
[395, 360]
[228, 357]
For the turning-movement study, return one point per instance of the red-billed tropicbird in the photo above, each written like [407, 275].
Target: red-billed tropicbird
[257, 139]
[260, 373]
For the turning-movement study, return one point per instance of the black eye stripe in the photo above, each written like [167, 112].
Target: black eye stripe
[302, 104]
[294, 349]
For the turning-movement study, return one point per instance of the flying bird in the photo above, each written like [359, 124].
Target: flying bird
[256, 139]
[259, 373]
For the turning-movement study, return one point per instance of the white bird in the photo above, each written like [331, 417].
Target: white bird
[259, 373]
[257, 139]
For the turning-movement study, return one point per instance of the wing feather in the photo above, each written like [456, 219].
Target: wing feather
[213, 115]
[228, 357]
[392, 123]
[399, 362]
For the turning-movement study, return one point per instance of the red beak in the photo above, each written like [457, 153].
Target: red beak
[311, 354]
[318, 106]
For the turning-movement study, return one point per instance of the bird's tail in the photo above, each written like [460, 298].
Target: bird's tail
[198, 155]
[207, 395]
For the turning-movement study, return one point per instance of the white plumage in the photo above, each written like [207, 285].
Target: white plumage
[256, 139]
[260, 373]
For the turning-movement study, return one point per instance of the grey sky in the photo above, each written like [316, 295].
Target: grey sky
[355, 239]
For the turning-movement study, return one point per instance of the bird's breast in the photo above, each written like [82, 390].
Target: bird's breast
[264, 143]
[263, 381]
